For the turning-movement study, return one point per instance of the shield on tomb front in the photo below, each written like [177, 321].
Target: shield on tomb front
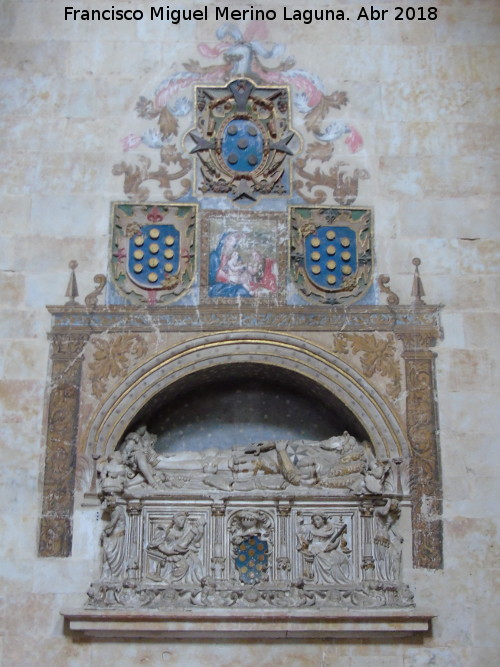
[251, 559]
[331, 253]
[153, 254]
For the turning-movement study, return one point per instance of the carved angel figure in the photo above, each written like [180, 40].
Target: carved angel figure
[175, 548]
[112, 474]
[319, 544]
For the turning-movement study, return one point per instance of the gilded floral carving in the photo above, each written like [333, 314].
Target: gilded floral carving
[112, 358]
[377, 355]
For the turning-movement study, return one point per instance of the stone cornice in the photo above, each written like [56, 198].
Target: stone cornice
[400, 319]
[250, 624]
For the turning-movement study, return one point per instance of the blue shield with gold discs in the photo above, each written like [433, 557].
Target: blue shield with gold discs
[251, 559]
[331, 253]
[153, 255]
[242, 145]
[331, 256]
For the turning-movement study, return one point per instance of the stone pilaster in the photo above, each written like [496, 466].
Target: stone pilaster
[56, 525]
[425, 465]
[283, 524]
[367, 559]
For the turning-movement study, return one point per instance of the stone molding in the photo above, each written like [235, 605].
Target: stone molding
[423, 319]
[258, 625]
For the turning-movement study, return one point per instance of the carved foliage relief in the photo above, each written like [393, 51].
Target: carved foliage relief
[111, 358]
[376, 355]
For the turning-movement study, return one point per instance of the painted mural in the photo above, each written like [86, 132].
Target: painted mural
[243, 261]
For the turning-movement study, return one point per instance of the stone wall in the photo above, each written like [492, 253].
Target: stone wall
[422, 96]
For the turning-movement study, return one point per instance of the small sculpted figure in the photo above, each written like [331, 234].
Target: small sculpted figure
[139, 454]
[175, 547]
[112, 473]
[113, 542]
[319, 544]
[388, 542]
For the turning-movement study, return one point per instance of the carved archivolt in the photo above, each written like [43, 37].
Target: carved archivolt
[297, 355]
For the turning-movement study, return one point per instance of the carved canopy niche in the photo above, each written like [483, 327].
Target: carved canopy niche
[211, 500]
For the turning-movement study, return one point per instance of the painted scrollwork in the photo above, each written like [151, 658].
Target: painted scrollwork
[136, 175]
[337, 182]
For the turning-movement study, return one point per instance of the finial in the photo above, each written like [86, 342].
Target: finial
[417, 289]
[72, 290]
[392, 297]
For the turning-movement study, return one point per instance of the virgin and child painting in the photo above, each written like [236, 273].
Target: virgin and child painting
[242, 262]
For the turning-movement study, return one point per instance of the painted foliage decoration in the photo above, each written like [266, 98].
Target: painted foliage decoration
[330, 258]
[315, 176]
[153, 256]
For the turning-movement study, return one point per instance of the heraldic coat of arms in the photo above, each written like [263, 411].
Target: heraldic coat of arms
[153, 251]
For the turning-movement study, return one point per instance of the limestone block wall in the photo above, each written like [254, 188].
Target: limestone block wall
[422, 96]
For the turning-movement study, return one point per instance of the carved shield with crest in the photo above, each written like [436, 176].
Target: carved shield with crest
[331, 253]
[153, 254]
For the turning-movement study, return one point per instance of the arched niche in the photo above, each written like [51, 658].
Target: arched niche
[275, 362]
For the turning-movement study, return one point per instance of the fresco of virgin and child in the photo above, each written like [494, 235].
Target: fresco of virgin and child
[240, 269]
